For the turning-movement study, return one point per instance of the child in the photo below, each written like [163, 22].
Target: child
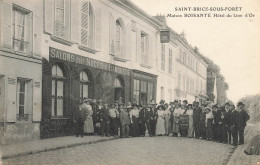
[125, 122]
[208, 124]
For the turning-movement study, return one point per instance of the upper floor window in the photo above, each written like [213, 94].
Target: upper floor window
[163, 57]
[184, 58]
[144, 49]
[60, 11]
[118, 37]
[180, 55]
[87, 25]
[21, 29]
[170, 61]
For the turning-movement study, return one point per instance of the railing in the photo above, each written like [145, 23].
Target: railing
[20, 45]
[22, 117]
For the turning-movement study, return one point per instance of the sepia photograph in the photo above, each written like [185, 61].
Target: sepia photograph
[129, 82]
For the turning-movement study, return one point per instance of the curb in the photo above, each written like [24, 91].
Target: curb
[55, 148]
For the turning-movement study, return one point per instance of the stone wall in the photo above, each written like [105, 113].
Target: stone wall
[19, 132]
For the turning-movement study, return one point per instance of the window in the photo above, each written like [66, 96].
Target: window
[57, 91]
[21, 30]
[87, 25]
[179, 80]
[170, 61]
[143, 86]
[184, 58]
[61, 23]
[84, 85]
[180, 55]
[150, 91]
[184, 82]
[163, 57]
[23, 99]
[118, 38]
[136, 90]
[162, 93]
[144, 49]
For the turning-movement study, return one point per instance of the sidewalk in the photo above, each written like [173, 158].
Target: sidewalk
[35, 146]
[239, 157]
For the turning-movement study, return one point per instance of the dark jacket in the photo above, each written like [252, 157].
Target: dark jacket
[228, 117]
[243, 118]
[104, 113]
[217, 116]
[196, 114]
[153, 113]
[235, 118]
[145, 114]
[80, 115]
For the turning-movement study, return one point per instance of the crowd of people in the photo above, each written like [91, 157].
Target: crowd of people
[224, 124]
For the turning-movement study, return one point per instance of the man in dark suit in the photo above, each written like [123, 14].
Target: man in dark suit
[234, 124]
[243, 118]
[196, 119]
[228, 113]
[216, 115]
[145, 118]
[153, 117]
[105, 120]
[94, 116]
[80, 116]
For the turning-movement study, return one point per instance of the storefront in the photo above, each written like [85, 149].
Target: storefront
[143, 87]
[68, 79]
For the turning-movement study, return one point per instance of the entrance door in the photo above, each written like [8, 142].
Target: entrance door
[119, 88]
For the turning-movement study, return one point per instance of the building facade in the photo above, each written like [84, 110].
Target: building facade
[20, 70]
[94, 49]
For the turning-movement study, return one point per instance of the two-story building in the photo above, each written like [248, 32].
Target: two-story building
[20, 70]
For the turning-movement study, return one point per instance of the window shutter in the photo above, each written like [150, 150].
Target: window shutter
[37, 30]
[48, 16]
[128, 41]
[11, 99]
[67, 33]
[98, 28]
[37, 101]
[112, 34]
[6, 25]
[138, 46]
[75, 21]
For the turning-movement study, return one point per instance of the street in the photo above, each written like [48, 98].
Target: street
[132, 151]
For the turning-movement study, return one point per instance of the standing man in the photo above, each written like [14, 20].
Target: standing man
[144, 119]
[172, 107]
[216, 119]
[105, 121]
[234, 124]
[94, 116]
[113, 113]
[243, 118]
[196, 119]
[185, 105]
[153, 118]
[80, 116]
[228, 113]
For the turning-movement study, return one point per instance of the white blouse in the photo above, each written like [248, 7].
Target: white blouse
[190, 112]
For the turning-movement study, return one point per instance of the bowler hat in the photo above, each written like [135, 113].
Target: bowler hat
[227, 103]
[161, 106]
[135, 105]
[185, 101]
[240, 103]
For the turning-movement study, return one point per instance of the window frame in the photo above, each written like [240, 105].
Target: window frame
[163, 57]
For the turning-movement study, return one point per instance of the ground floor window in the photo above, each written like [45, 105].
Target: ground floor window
[136, 90]
[84, 85]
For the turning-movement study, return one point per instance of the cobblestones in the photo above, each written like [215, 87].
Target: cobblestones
[133, 151]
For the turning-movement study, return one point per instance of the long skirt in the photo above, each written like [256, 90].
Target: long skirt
[209, 129]
[135, 127]
[88, 126]
[160, 129]
[254, 146]
[191, 128]
[167, 124]
[176, 126]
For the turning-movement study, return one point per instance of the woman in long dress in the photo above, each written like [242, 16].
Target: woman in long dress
[190, 114]
[88, 126]
[160, 129]
[167, 115]
[134, 118]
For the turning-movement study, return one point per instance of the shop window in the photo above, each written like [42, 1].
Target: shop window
[170, 61]
[87, 25]
[163, 57]
[136, 90]
[150, 91]
[84, 85]
[119, 85]
[21, 23]
[57, 91]
[23, 99]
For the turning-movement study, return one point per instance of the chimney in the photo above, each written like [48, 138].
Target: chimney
[161, 18]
